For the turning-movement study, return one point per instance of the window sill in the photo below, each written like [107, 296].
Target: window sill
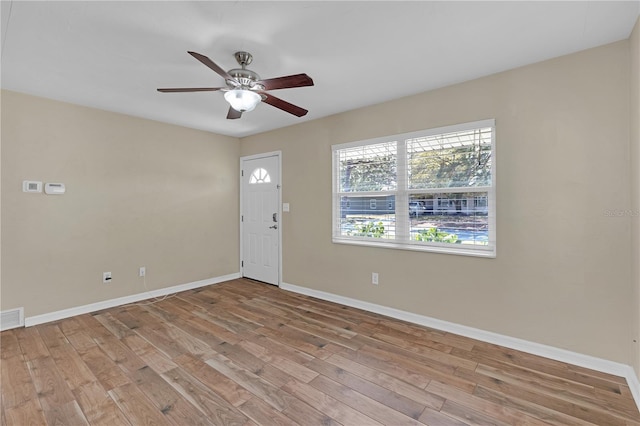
[459, 250]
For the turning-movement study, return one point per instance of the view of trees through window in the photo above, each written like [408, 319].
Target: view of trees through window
[419, 190]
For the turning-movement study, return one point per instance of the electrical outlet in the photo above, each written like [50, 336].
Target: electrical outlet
[374, 278]
[142, 272]
[106, 277]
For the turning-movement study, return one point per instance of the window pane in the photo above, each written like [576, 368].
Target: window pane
[259, 175]
[368, 168]
[368, 216]
[455, 218]
[459, 159]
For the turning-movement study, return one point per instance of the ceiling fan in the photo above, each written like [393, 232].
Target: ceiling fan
[245, 90]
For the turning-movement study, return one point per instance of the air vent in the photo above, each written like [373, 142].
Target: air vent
[11, 319]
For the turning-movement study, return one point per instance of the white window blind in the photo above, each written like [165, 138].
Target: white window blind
[432, 190]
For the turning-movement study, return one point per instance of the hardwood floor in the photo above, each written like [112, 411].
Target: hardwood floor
[243, 353]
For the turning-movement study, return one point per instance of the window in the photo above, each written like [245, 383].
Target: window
[259, 175]
[438, 187]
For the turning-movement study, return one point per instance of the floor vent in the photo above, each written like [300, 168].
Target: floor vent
[11, 319]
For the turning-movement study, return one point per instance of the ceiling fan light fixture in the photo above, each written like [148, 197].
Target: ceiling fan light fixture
[242, 100]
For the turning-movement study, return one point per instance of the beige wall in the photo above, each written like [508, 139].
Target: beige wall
[142, 193]
[562, 275]
[139, 193]
[634, 49]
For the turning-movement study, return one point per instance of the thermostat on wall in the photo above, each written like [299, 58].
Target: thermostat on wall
[31, 186]
[54, 188]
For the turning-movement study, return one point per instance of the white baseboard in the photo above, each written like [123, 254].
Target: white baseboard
[562, 355]
[92, 307]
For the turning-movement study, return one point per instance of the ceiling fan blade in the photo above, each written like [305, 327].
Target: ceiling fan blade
[233, 114]
[191, 89]
[208, 62]
[284, 105]
[286, 82]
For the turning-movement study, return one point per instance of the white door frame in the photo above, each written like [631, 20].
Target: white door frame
[280, 221]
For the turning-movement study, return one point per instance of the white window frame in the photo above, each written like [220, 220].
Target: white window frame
[402, 194]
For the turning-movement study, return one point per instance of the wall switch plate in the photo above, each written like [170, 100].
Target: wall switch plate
[106, 277]
[142, 272]
[285, 207]
[374, 278]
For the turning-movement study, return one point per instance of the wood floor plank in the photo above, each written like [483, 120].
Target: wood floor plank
[589, 400]
[328, 405]
[558, 403]
[329, 335]
[249, 381]
[188, 325]
[401, 338]
[304, 414]
[231, 325]
[231, 391]
[274, 375]
[69, 413]
[72, 325]
[136, 406]
[10, 345]
[17, 383]
[113, 325]
[205, 321]
[161, 341]
[280, 348]
[213, 406]
[469, 415]
[432, 417]
[428, 334]
[257, 315]
[297, 339]
[547, 415]
[296, 370]
[385, 380]
[71, 366]
[104, 369]
[436, 352]
[377, 411]
[51, 335]
[31, 344]
[240, 356]
[554, 367]
[154, 358]
[292, 306]
[49, 383]
[27, 413]
[98, 407]
[264, 414]
[498, 412]
[386, 365]
[245, 353]
[167, 399]
[425, 359]
[372, 390]
[81, 341]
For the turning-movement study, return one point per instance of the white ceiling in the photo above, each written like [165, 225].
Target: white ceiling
[113, 55]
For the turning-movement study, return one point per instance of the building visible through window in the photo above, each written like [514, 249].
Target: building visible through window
[432, 190]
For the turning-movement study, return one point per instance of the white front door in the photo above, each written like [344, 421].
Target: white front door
[261, 218]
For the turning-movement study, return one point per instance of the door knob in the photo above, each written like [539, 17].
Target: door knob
[273, 227]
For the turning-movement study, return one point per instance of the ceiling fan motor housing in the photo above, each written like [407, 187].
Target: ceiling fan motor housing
[245, 77]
